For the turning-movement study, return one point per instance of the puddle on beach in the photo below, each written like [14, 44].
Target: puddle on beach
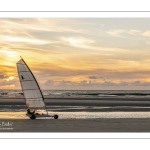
[78, 115]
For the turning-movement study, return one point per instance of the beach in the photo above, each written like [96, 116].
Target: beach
[107, 114]
[77, 125]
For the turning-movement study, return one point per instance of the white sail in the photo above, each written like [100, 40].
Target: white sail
[31, 90]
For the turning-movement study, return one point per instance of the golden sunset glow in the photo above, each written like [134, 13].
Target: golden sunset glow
[85, 53]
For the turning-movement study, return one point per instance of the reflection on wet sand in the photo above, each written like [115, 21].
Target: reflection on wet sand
[79, 115]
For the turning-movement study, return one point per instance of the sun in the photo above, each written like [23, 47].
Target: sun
[10, 78]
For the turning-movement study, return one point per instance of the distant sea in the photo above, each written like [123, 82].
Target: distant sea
[79, 93]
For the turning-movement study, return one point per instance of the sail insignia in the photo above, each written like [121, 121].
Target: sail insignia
[22, 77]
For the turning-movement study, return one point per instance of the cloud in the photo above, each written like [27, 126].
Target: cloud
[102, 25]
[124, 83]
[78, 42]
[38, 24]
[2, 76]
[116, 33]
[67, 83]
[140, 83]
[108, 83]
[134, 32]
[20, 33]
[147, 42]
[127, 84]
[87, 43]
[89, 83]
[147, 33]
[23, 40]
[93, 77]
[9, 80]
[60, 83]
[49, 82]
[12, 83]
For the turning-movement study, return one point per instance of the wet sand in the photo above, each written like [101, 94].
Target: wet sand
[76, 125]
[106, 101]
[106, 104]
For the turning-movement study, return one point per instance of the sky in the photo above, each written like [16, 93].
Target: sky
[77, 53]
